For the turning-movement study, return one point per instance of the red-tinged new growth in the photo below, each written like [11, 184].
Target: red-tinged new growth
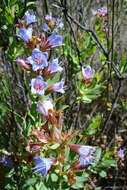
[33, 147]
[23, 64]
[41, 135]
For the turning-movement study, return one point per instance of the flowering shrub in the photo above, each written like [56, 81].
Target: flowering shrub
[50, 135]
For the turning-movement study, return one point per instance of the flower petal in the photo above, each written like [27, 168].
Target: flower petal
[55, 40]
[25, 34]
[42, 165]
[30, 18]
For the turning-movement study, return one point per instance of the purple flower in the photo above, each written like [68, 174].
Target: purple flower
[38, 85]
[59, 23]
[30, 18]
[85, 161]
[49, 18]
[52, 23]
[86, 155]
[38, 60]
[88, 73]
[121, 153]
[102, 12]
[44, 107]
[55, 40]
[25, 34]
[45, 27]
[54, 66]
[42, 165]
[82, 150]
[50, 42]
[6, 161]
[85, 151]
[58, 87]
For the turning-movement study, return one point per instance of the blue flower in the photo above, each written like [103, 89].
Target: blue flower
[38, 60]
[6, 161]
[121, 153]
[30, 18]
[25, 34]
[85, 161]
[54, 66]
[53, 23]
[50, 42]
[50, 18]
[83, 150]
[44, 107]
[45, 27]
[55, 40]
[59, 24]
[58, 87]
[86, 150]
[102, 12]
[88, 73]
[86, 155]
[42, 165]
[38, 85]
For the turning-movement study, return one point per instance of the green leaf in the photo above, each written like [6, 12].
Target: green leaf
[80, 181]
[54, 79]
[98, 188]
[54, 146]
[103, 173]
[78, 185]
[94, 125]
[109, 163]
[54, 177]
[98, 154]
[30, 3]
[31, 116]
[41, 186]
[29, 182]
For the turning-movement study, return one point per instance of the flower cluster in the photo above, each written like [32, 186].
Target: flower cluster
[52, 23]
[44, 68]
[101, 12]
[25, 32]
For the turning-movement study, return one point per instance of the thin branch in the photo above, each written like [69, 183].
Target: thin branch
[74, 37]
[46, 6]
[93, 34]
[113, 106]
